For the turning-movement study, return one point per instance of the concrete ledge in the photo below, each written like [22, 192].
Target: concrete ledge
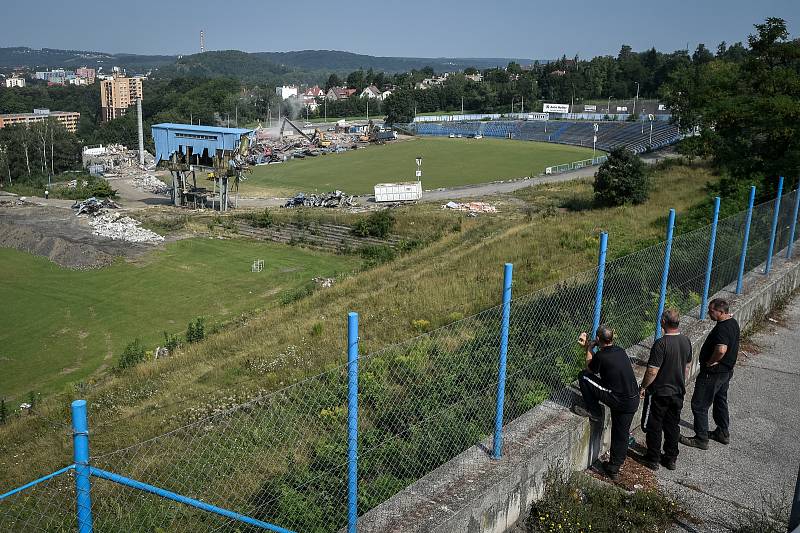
[475, 493]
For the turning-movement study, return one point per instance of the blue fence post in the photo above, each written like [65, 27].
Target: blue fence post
[743, 256]
[665, 274]
[793, 225]
[601, 276]
[80, 454]
[774, 225]
[710, 261]
[352, 421]
[497, 450]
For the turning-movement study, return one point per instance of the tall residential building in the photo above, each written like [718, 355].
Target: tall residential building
[68, 119]
[117, 95]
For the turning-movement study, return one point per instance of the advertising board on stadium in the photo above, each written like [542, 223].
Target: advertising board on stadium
[589, 108]
[537, 116]
[556, 108]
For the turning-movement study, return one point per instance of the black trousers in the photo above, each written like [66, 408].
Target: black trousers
[662, 415]
[711, 388]
[622, 413]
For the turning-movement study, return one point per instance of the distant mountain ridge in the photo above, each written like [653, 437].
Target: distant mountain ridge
[212, 63]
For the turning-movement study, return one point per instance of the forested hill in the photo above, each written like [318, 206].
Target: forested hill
[305, 64]
[333, 60]
[22, 56]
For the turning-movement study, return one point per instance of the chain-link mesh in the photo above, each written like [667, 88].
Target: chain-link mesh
[48, 506]
[282, 458]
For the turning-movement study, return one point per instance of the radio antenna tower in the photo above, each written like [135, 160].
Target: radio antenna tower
[202, 41]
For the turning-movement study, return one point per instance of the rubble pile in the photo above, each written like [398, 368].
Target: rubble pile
[324, 283]
[119, 227]
[471, 207]
[150, 183]
[93, 206]
[115, 158]
[330, 199]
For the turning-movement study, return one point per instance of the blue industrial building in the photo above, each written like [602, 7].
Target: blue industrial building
[191, 139]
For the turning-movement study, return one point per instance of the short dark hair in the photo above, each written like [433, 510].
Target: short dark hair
[605, 334]
[720, 305]
[671, 318]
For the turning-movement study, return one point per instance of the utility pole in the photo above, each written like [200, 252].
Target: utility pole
[462, 105]
[141, 130]
[635, 98]
[237, 115]
[522, 109]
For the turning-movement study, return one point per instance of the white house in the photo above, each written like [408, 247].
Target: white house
[286, 91]
[371, 92]
[15, 82]
[385, 94]
[478, 77]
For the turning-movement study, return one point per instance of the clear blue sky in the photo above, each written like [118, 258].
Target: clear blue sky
[431, 28]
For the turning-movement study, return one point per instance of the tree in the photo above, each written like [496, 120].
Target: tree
[748, 109]
[399, 106]
[333, 81]
[621, 180]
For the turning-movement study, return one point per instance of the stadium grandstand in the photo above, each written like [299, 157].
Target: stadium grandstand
[635, 136]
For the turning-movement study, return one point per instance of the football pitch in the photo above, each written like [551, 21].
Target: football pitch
[446, 163]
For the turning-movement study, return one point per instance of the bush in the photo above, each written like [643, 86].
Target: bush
[171, 342]
[196, 331]
[576, 503]
[132, 355]
[621, 180]
[94, 186]
[261, 220]
[376, 255]
[378, 224]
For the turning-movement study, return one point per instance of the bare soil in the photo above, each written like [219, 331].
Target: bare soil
[62, 237]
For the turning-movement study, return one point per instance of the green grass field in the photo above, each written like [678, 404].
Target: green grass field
[447, 163]
[62, 325]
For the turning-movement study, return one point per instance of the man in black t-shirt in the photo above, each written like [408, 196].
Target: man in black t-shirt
[663, 388]
[717, 359]
[615, 386]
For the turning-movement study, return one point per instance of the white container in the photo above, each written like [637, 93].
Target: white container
[398, 192]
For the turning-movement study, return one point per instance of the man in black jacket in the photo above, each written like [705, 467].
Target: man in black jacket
[609, 379]
[717, 359]
[663, 388]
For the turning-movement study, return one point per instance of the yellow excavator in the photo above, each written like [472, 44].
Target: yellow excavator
[319, 139]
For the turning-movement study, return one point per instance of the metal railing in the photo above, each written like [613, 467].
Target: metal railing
[575, 165]
[341, 448]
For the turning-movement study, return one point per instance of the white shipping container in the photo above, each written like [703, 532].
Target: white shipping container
[398, 192]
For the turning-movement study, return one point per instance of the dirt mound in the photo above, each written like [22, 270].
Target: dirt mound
[63, 252]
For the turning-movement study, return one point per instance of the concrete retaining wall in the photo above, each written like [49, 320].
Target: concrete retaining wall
[476, 494]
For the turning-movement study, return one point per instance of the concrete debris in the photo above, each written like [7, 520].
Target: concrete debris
[471, 207]
[324, 283]
[160, 352]
[150, 183]
[113, 157]
[331, 199]
[93, 206]
[119, 227]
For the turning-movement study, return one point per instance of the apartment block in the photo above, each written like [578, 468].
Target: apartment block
[68, 119]
[117, 95]
[15, 82]
[89, 74]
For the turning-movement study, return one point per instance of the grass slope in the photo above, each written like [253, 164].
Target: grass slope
[62, 325]
[547, 232]
[447, 163]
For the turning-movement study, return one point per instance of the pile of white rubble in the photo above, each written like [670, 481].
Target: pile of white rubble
[150, 183]
[119, 227]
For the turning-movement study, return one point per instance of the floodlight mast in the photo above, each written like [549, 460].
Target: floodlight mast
[419, 168]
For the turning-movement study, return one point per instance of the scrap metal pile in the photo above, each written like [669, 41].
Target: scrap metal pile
[94, 206]
[331, 199]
